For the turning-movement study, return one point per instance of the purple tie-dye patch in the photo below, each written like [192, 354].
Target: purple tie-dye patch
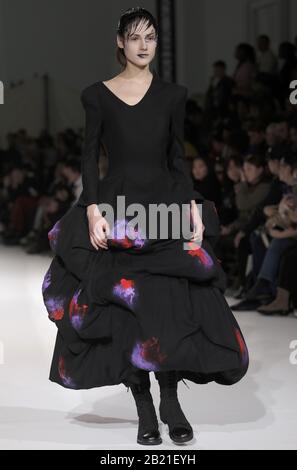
[126, 291]
[55, 308]
[46, 280]
[53, 235]
[66, 379]
[147, 355]
[77, 311]
[126, 236]
[243, 349]
[200, 253]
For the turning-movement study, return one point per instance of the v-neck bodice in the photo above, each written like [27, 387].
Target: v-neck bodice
[124, 102]
[143, 142]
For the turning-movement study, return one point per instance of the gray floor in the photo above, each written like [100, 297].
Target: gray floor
[260, 412]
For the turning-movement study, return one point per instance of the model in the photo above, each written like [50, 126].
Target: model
[125, 306]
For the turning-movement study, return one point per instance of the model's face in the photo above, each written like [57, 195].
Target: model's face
[140, 46]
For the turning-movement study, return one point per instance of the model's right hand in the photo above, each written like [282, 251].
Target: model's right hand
[98, 227]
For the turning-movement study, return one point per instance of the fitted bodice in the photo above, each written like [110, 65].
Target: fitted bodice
[144, 145]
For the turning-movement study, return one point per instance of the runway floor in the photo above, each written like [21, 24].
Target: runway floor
[260, 412]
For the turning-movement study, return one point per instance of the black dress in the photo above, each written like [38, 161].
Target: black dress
[145, 303]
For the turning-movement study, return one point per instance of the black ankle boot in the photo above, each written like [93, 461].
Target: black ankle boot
[148, 426]
[171, 413]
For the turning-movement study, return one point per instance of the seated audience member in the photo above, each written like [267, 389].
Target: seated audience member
[266, 59]
[72, 173]
[228, 174]
[20, 199]
[250, 191]
[246, 69]
[205, 180]
[257, 142]
[270, 135]
[219, 92]
[281, 234]
[54, 208]
[258, 218]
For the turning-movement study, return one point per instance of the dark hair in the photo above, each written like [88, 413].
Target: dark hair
[257, 160]
[237, 159]
[128, 23]
[73, 164]
[265, 37]
[287, 50]
[280, 118]
[247, 52]
[278, 151]
[239, 141]
[62, 187]
[289, 157]
[192, 108]
[205, 160]
[256, 126]
[220, 63]
[293, 124]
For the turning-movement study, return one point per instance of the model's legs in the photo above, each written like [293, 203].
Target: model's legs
[148, 432]
[171, 413]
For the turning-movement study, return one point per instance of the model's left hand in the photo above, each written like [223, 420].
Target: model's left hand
[196, 222]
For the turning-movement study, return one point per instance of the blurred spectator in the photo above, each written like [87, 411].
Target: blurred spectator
[205, 180]
[267, 61]
[219, 92]
[246, 69]
[72, 173]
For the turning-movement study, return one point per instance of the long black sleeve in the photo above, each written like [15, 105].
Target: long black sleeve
[91, 147]
[176, 153]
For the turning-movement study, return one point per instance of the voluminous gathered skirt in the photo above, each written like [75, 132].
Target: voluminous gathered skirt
[141, 304]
